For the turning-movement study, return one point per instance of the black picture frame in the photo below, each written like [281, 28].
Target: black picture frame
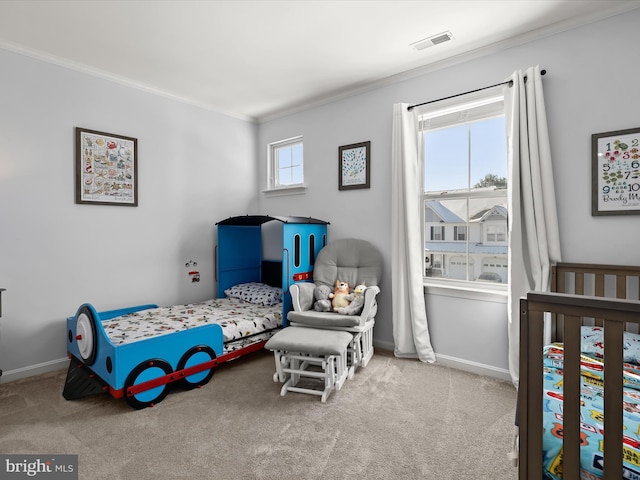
[354, 166]
[106, 168]
[615, 172]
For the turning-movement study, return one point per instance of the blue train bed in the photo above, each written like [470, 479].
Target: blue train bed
[138, 352]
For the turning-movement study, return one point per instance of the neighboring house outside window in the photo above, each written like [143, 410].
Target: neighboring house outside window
[286, 165]
[465, 189]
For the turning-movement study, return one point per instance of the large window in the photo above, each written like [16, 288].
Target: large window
[286, 166]
[465, 188]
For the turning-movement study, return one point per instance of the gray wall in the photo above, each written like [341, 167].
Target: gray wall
[590, 87]
[197, 167]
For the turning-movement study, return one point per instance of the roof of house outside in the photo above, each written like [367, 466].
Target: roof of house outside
[455, 210]
[482, 215]
[443, 212]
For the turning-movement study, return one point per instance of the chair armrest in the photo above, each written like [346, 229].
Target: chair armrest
[302, 297]
[370, 304]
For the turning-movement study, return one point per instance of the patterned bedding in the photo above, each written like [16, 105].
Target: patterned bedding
[591, 415]
[242, 322]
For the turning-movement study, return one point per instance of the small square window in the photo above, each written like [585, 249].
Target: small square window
[286, 164]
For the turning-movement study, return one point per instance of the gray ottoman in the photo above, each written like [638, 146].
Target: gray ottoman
[296, 349]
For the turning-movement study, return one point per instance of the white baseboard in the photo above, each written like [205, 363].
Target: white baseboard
[31, 370]
[383, 345]
[473, 367]
[459, 363]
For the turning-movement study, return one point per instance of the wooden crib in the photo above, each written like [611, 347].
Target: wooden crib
[582, 295]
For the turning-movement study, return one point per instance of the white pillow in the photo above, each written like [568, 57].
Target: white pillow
[256, 293]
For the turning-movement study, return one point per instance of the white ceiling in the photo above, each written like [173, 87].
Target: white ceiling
[259, 59]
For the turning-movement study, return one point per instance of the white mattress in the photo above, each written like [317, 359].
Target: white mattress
[238, 319]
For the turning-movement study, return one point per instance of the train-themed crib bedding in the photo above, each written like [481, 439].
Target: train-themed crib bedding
[137, 352]
[591, 406]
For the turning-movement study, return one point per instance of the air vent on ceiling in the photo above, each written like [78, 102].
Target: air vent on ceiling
[433, 40]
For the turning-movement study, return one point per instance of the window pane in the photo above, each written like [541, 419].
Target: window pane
[488, 238]
[488, 153]
[446, 255]
[284, 176]
[284, 157]
[296, 154]
[466, 238]
[446, 159]
[297, 174]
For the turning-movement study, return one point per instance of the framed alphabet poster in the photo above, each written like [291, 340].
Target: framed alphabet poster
[106, 168]
[616, 173]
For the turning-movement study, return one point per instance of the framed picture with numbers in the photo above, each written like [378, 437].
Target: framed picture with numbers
[615, 173]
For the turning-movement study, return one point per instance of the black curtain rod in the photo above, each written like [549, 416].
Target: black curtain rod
[510, 83]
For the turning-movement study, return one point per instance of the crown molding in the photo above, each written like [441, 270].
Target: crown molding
[485, 50]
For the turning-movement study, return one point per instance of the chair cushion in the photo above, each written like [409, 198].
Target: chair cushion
[323, 319]
[350, 260]
[310, 340]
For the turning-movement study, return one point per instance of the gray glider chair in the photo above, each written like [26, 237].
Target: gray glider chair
[348, 260]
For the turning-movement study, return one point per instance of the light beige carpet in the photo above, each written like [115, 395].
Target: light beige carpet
[396, 419]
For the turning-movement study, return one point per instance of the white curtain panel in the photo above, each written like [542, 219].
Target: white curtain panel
[410, 329]
[534, 243]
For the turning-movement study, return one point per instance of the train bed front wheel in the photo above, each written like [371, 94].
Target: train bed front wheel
[145, 372]
[86, 337]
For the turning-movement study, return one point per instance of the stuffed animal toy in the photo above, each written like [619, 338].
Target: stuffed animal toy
[357, 301]
[321, 294]
[339, 295]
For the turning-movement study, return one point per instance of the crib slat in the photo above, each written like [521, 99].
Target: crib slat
[613, 398]
[558, 280]
[571, 394]
[599, 292]
[621, 286]
[522, 410]
[532, 359]
[558, 284]
[599, 285]
[579, 283]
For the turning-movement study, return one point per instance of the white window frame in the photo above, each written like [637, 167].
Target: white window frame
[273, 186]
[443, 115]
